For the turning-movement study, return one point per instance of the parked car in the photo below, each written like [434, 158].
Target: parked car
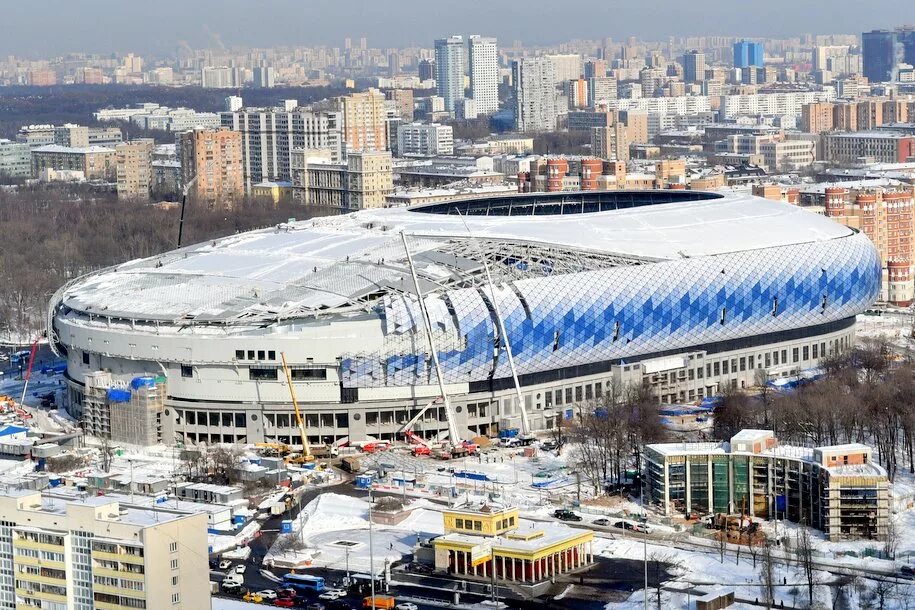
[623, 525]
[602, 522]
[907, 572]
[549, 446]
[641, 527]
[267, 594]
[230, 586]
[284, 602]
[253, 598]
[288, 593]
[240, 568]
[225, 564]
[315, 606]
[332, 594]
[564, 514]
[406, 606]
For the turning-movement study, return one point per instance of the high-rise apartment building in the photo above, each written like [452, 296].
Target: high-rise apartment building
[693, 66]
[269, 135]
[364, 120]
[601, 89]
[566, 66]
[133, 161]
[449, 70]
[535, 94]
[214, 158]
[98, 553]
[610, 143]
[217, 77]
[15, 159]
[426, 69]
[425, 139]
[264, 77]
[749, 54]
[403, 102]
[484, 74]
[817, 117]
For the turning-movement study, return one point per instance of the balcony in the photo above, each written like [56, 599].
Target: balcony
[123, 557]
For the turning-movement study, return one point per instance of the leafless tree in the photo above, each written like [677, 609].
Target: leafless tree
[891, 541]
[106, 454]
[804, 553]
[767, 572]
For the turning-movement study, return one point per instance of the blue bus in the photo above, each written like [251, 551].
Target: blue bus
[303, 582]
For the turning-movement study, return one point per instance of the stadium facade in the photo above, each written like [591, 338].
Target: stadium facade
[686, 291]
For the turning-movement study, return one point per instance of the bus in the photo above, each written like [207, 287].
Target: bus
[303, 582]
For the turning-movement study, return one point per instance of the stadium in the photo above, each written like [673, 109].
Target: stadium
[549, 296]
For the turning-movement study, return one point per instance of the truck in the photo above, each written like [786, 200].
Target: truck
[278, 509]
[351, 463]
[385, 602]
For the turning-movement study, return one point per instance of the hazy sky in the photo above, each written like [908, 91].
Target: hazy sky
[44, 27]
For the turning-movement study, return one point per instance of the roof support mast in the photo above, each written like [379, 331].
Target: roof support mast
[453, 435]
[525, 422]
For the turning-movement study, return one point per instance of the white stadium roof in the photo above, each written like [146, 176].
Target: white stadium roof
[344, 263]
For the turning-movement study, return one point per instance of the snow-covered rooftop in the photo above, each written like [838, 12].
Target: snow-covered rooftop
[314, 267]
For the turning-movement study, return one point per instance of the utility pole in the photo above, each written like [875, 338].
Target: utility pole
[371, 553]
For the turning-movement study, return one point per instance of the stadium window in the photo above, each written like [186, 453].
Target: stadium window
[733, 365]
[822, 350]
[724, 367]
[700, 373]
[261, 354]
[616, 331]
[271, 355]
[256, 374]
[823, 304]
[717, 368]
[589, 392]
[308, 374]
[784, 356]
[691, 374]
[806, 352]
[708, 369]
[548, 400]
[227, 420]
[743, 363]
[85, 357]
[555, 340]
[459, 523]
[775, 357]
[478, 526]
[578, 394]
[214, 419]
[750, 362]
[768, 360]
[239, 354]
[724, 315]
[775, 306]
[816, 351]
[191, 418]
[568, 396]
[187, 370]
[241, 420]
[250, 354]
[558, 397]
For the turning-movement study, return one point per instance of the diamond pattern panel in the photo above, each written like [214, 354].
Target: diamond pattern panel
[566, 320]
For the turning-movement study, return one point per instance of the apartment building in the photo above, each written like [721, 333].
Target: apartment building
[364, 120]
[425, 139]
[269, 135]
[364, 180]
[96, 162]
[837, 489]
[134, 170]
[449, 70]
[483, 56]
[534, 79]
[610, 142]
[214, 158]
[887, 216]
[98, 554]
[15, 159]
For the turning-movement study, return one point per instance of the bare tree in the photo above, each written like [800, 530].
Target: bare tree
[106, 454]
[767, 572]
[804, 552]
[891, 541]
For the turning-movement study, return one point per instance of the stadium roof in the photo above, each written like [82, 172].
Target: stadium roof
[346, 263]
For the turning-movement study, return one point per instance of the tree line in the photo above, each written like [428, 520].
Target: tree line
[53, 234]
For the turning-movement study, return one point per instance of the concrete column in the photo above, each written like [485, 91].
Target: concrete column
[562, 562]
[513, 569]
[504, 573]
[689, 498]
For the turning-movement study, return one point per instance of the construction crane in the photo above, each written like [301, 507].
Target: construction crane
[527, 436]
[421, 446]
[306, 449]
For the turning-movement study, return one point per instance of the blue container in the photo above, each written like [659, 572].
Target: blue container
[286, 526]
[363, 481]
[54, 482]
[143, 382]
[508, 433]
[118, 395]
[238, 519]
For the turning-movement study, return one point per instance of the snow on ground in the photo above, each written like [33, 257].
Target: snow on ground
[220, 543]
[334, 531]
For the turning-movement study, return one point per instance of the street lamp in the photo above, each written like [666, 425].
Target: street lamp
[184, 191]
[371, 553]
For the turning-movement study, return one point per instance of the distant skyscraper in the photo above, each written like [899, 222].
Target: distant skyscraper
[426, 69]
[264, 77]
[449, 69]
[884, 50]
[484, 74]
[748, 54]
[535, 94]
[693, 66]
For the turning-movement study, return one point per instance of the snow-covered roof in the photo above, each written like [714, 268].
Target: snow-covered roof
[319, 266]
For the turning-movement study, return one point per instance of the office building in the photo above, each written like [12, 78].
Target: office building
[868, 146]
[449, 70]
[98, 553]
[483, 55]
[133, 162]
[693, 66]
[363, 181]
[96, 162]
[748, 54]
[426, 70]
[838, 490]
[425, 139]
[212, 159]
[15, 159]
[884, 50]
[269, 135]
[574, 327]
[535, 94]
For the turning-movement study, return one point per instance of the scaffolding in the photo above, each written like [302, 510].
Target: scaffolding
[136, 414]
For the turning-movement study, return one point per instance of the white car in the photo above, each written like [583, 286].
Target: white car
[406, 606]
[225, 564]
[332, 594]
[240, 568]
[267, 594]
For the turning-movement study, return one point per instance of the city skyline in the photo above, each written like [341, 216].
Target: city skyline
[55, 27]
